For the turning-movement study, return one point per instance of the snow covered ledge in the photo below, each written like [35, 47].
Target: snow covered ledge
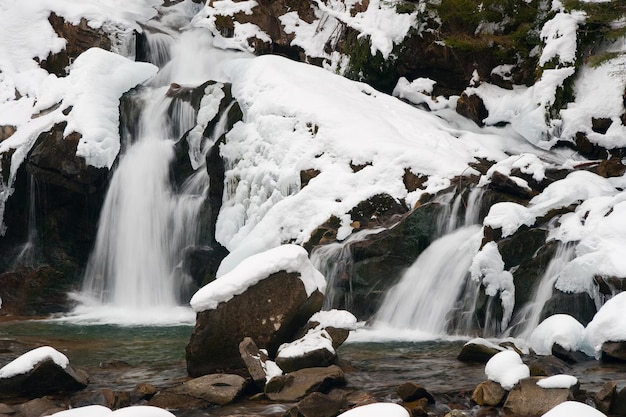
[268, 297]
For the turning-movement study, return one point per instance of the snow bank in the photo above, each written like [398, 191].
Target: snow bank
[289, 258]
[506, 368]
[98, 410]
[562, 329]
[607, 325]
[377, 410]
[29, 360]
[573, 408]
[558, 381]
[298, 117]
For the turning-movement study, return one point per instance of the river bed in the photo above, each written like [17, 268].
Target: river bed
[119, 358]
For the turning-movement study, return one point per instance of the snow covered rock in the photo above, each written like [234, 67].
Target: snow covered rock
[39, 372]
[268, 298]
[560, 329]
[314, 349]
[296, 385]
[573, 408]
[606, 326]
[507, 369]
[478, 350]
[529, 399]
[376, 410]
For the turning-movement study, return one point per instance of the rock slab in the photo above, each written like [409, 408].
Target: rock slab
[296, 385]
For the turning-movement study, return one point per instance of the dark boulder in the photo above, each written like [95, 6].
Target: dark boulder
[411, 391]
[318, 404]
[614, 351]
[477, 351]
[313, 350]
[214, 343]
[472, 107]
[46, 377]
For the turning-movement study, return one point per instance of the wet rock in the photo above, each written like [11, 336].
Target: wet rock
[578, 305]
[220, 389]
[618, 406]
[376, 211]
[601, 124]
[489, 393]
[142, 392]
[472, 107]
[7, 409]
[214, 343]
[507, 185]
[172, 401]
[568, 356]
[307, 175]
[296, 385]
[318, 404]
[79, 38]
[39, 407]
[529, 399]
[46, 377]
[417, 408]
[614, 351]
[114, 399]
[254, 359]
[412, 391]
[603, 399]
[546, 365]
[477, 352]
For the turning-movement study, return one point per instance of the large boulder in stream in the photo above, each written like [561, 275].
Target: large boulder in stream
[40, 372]
[267, 297]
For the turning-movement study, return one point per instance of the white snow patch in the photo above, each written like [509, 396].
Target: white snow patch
[377, 410]
[419, 91]
[573, 408]
[558, 381]
[289, 258]
[29, 360]
[507, 369]
[559, 36]
[141, 411]
[314, 339]
[339, 319]
[87, 411]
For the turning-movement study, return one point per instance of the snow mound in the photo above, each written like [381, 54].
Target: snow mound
[377, 410]
[314, 339]
[607, 325]
[289, 258]
[562, 329]
[573, 408]
[29, 360]
[87, 411]
[339, 319]
[507, 369]
[558, 381]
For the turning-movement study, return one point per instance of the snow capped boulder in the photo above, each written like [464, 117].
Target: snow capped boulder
[377, 409]
[39, 372]
[478, 350]
[268, 297]
[314, 349]
[337, 323]
[507, 369]
[559, 329]
[606, 333]
[573, 408]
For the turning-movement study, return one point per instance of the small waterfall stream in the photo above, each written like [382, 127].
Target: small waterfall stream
[428, 290]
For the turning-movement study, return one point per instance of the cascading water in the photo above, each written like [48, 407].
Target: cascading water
[419, 304]
[133, 274]
[335, 262]
[28, 251]
[529, 315]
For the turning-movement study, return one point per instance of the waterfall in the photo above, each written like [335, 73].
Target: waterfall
[529, 316]
[133, 275]
[335, 262]
[27, 255]
[429, 289]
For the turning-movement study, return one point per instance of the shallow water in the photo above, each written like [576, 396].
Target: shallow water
[122, 357]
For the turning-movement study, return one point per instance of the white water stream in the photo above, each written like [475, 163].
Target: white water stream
[132, 276]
